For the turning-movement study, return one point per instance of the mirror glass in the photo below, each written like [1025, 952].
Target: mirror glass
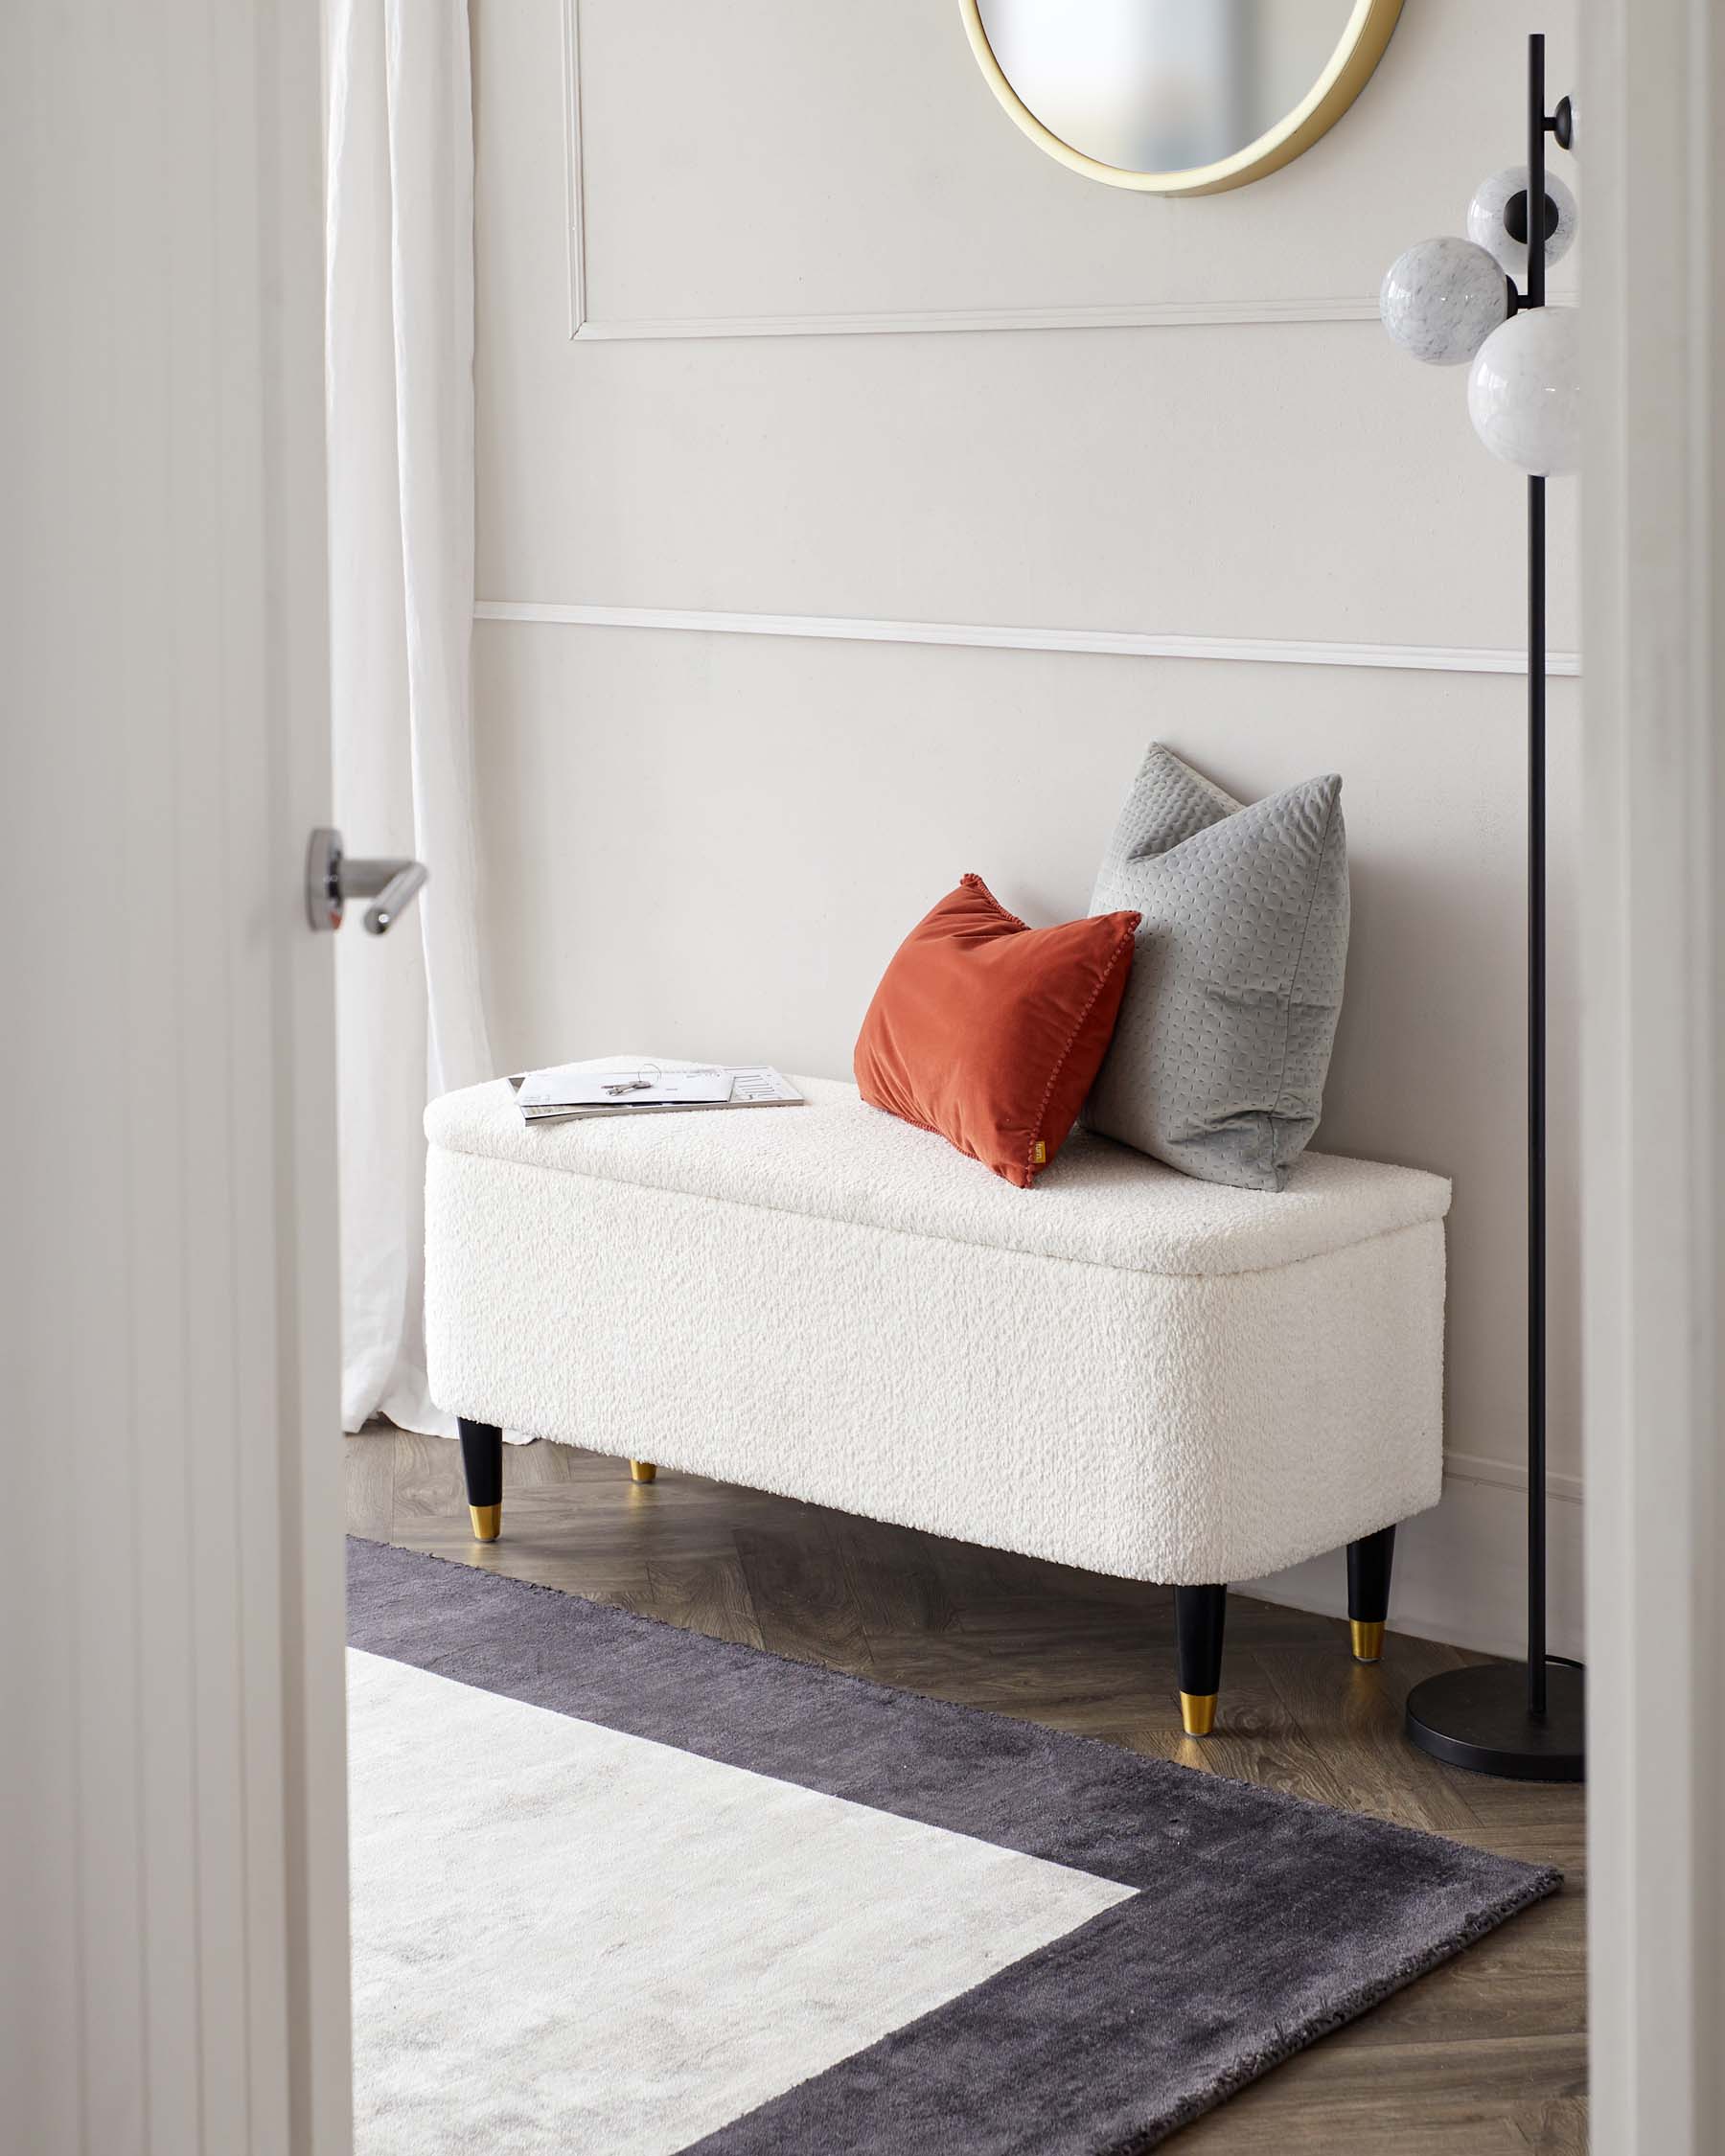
[1161, 85]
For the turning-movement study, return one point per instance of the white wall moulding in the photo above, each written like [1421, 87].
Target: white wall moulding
[1168, 314]
[574, 193]
[1119, 643]
[960, 134]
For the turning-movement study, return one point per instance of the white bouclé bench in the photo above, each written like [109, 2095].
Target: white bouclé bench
[1122, 1369]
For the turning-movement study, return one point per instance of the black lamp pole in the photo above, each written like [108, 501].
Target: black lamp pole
[1499, 1719]
[1536, 951]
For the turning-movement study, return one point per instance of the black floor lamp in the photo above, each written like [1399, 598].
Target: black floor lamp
[1454, 301]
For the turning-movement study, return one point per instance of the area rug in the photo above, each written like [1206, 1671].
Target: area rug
[620, 1890]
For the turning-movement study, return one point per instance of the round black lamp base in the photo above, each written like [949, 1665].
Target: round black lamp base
[1477, 1718]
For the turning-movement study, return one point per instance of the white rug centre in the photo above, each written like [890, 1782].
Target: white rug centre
[567, 1939]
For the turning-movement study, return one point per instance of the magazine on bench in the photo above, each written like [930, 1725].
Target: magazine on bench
[630, 1085]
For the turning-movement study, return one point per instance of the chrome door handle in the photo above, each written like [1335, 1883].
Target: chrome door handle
[333, 877]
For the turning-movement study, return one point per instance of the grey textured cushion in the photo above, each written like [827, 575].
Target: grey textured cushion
[1218, 1061]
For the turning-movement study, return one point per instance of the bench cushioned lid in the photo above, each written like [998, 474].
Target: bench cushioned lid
[837, 1158]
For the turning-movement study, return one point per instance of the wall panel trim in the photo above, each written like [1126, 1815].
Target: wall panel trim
[1120, 643]
[574, 193]
[1156, 314]
[1151, 314]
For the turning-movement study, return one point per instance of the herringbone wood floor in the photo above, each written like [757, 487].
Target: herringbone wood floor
[1485, 2058]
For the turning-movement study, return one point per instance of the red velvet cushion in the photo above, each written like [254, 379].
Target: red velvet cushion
[991, 1033]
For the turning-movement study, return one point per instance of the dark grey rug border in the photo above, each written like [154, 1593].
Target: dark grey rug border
[1055, 2056]
[921, 2087]
[936, 1780]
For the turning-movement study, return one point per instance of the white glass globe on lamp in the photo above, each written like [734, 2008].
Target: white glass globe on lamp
[1569, 126]
[1491, 204]
[1524, 394]
[1440, 300]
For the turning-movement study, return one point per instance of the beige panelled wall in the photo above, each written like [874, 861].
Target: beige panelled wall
[710, 843]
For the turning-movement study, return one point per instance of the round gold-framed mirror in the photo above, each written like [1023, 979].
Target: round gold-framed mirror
[1178, 97]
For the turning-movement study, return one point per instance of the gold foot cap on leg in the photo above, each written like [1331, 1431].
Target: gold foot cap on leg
[488, 1522]
[1368, 1640]
[1198, 1711]
[643, 1469]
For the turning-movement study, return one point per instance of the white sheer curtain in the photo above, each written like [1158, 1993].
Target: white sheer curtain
[399, 207]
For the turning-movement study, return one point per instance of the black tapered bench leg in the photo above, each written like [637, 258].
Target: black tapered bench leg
[1199, 1616]
[1369, 1563]
[482, 1459]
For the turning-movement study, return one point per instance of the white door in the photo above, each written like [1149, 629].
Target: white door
[1653, 1071]
[172, 1891]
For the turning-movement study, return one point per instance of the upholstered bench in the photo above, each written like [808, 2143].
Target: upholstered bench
[1122, 1369]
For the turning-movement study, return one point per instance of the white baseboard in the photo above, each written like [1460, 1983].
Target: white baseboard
[1461, 1570]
